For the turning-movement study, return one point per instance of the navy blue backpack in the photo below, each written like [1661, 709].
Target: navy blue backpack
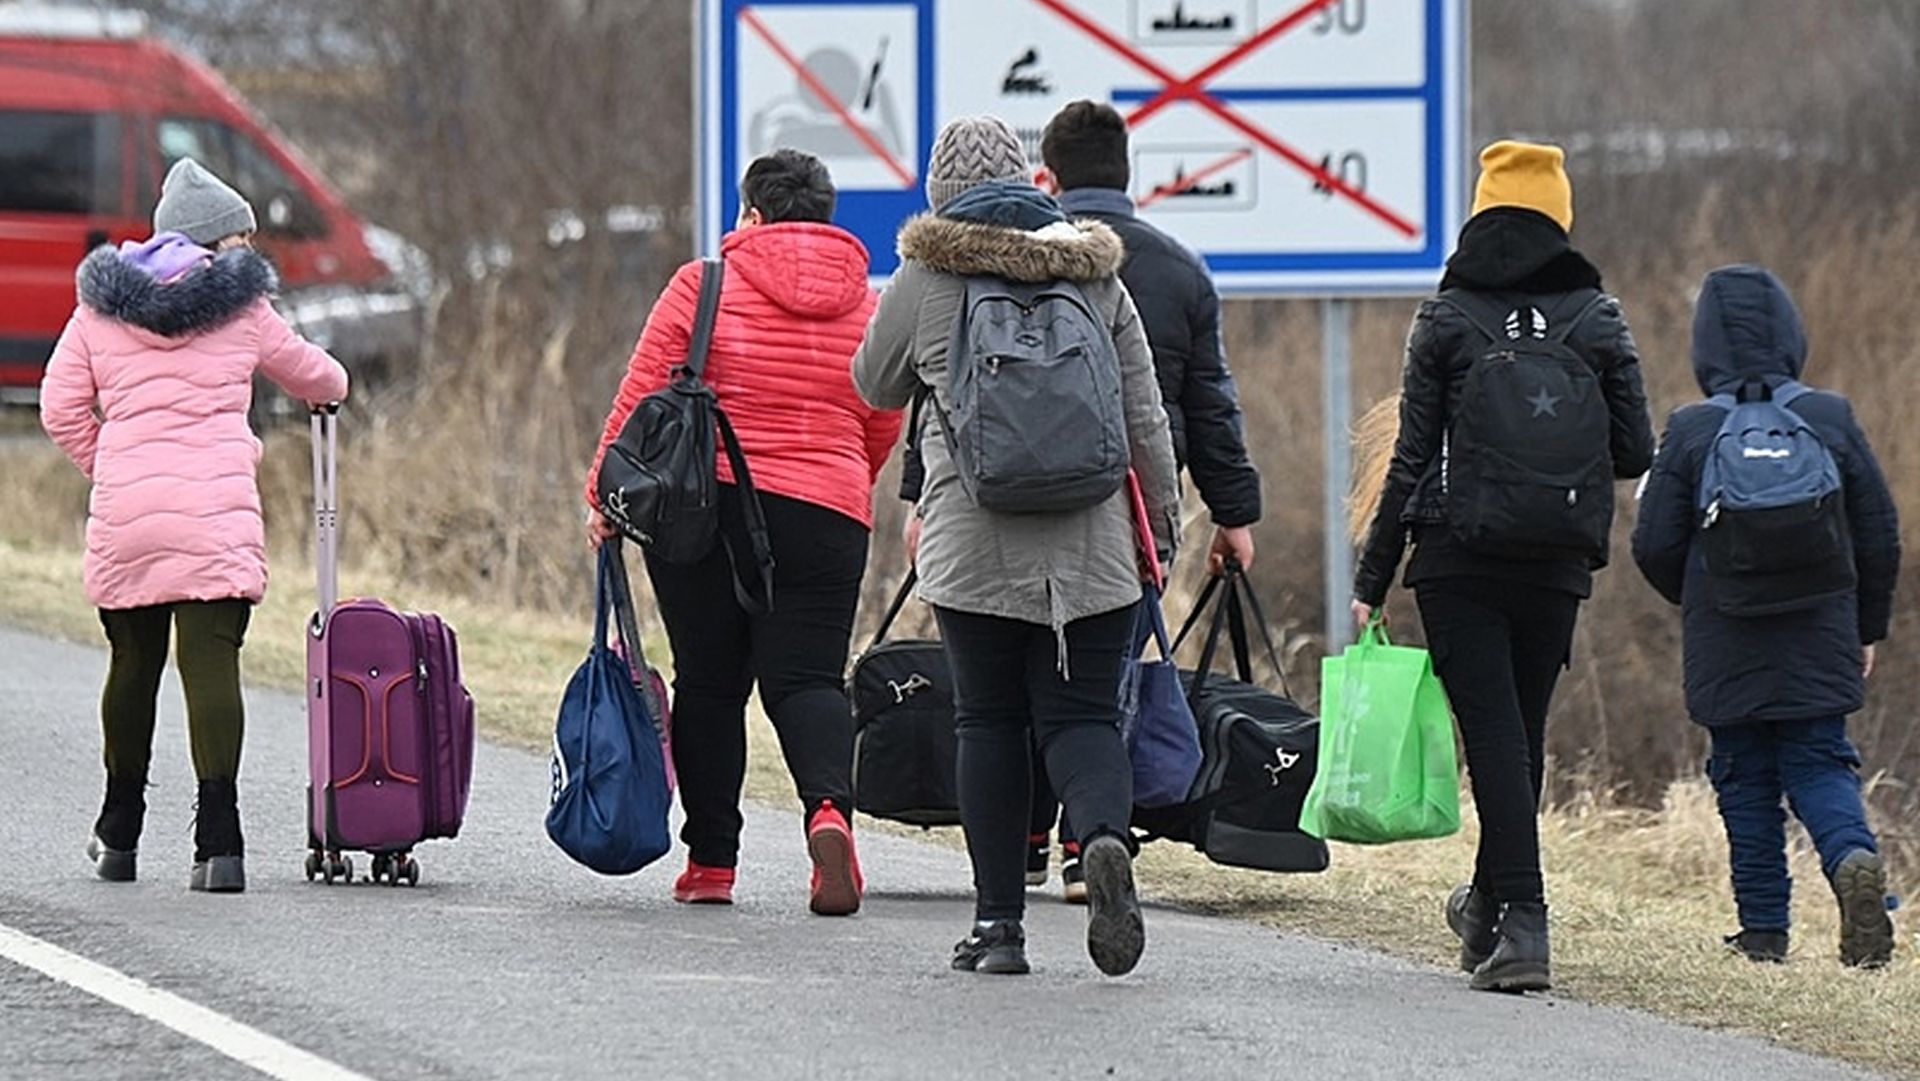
[1773, 521]
[610, 794]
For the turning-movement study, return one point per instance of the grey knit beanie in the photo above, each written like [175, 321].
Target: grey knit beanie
[201, 205]
[971, 151]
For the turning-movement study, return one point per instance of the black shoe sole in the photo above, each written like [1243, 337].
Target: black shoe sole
[1513, 979]
[1000, 961]
[1866, 931]
[1116, 935]
[220, 874]
[110, 864]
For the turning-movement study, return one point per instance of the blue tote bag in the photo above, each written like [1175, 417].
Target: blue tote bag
[610, 796]
[1156, 719]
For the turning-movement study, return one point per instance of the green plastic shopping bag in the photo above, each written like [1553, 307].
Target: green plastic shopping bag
[1387, 766]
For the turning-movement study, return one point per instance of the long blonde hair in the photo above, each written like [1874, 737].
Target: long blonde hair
[1374, 435]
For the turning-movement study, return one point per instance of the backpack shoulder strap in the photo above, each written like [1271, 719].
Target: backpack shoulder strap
[1560, 334]
[1789, 392]
[712, 275]
[1477, 308]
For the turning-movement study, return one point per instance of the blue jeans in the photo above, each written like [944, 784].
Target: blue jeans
[1813, 765]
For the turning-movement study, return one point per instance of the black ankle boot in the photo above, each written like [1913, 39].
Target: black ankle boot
[1519, 961]
[219, 865]
[116, 833]
[1472, 914]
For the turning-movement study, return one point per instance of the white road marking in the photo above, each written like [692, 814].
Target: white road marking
[242, 1043]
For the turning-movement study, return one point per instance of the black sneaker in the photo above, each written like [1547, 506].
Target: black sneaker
[1073, 880]
[1768, 947]
[1866, 931]
[998, 947]
[1116, 936]
[1039, 855]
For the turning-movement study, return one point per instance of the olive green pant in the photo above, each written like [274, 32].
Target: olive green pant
[208, 651]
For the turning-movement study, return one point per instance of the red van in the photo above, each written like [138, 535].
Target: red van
[92, 114]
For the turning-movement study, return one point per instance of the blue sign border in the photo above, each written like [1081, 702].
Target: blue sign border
[875, 216]
[870, 210]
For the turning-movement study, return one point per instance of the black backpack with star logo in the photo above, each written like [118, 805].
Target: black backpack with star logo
[1526, 467]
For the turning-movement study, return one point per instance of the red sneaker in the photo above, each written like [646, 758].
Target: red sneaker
[837, 882]
[702, 885]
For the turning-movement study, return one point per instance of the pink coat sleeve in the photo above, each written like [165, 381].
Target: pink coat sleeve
[67, 394]
[663, 343]
[302, 369]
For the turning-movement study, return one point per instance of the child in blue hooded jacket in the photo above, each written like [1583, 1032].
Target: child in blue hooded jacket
[1774, 688]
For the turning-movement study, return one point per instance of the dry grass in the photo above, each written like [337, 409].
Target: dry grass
[1639, 895]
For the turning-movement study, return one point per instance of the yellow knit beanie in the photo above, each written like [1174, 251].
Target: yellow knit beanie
[1528, 175]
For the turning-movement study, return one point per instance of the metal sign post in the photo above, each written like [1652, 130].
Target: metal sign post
[1336, 325]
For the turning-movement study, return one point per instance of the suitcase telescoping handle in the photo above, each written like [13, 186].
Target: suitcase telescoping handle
[326, 510]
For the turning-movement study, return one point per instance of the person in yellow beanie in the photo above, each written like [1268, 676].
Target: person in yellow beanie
[1521, 404]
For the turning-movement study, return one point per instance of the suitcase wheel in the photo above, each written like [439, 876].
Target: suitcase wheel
[392, 867]
[329, 866]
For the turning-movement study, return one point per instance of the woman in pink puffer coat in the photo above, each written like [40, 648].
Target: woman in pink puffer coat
[147, 392]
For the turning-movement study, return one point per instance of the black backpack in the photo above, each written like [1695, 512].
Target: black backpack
[1527, 465]
[657, 482]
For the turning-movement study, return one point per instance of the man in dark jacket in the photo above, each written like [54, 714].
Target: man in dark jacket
[1500, 627]
[1084, 149]
[1775, 690]
[1085, 152]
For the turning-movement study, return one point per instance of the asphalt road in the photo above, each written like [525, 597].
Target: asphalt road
[510, 962]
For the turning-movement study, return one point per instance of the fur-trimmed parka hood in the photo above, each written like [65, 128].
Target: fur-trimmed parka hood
[205, 299]
[1077, 251]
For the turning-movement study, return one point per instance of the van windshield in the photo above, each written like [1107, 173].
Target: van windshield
[59, 163]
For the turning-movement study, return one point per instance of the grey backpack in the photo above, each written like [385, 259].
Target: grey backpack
[1036, 423]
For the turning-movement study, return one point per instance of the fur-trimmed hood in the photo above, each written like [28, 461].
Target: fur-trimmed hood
[203, 300]
[1078, 251]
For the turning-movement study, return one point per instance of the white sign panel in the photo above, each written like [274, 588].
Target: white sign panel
[1302, 146]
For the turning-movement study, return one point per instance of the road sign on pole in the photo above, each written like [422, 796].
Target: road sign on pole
[1302, 146]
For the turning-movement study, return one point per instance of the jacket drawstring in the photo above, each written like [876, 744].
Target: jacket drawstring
[1057, 619]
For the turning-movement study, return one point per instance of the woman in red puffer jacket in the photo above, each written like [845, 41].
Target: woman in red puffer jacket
[793, 309]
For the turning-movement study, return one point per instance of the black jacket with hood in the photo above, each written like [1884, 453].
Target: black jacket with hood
[1181, 312]
[1800, 665]
[1516, 255]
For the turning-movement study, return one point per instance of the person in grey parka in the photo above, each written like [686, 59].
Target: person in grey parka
[1036, 609]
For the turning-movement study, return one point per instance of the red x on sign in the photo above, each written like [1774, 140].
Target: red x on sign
[827, 97]
[1193, 88]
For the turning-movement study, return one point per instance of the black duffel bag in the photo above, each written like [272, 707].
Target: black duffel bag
[1258, 751]
[903, 738]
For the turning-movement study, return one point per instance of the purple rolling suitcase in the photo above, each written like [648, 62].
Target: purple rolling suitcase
[389, 724]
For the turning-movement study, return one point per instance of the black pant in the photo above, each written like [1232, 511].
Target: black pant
[1009, 697]
[1499, 647]
[797, 654]
[1045, 807]
[208, 639]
